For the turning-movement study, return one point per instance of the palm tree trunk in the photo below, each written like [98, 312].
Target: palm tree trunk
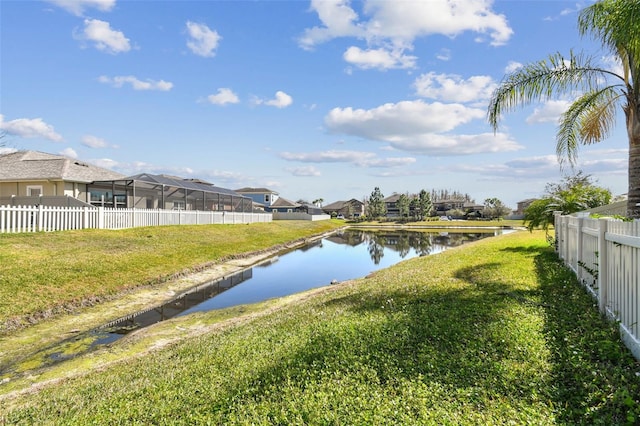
[633, 193]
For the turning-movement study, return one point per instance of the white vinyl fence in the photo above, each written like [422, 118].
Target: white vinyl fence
[605, 255]
[43, 218]
[299, 216]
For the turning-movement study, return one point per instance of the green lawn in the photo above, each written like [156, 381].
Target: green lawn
[495, 332]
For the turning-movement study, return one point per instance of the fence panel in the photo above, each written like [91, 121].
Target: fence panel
[50, 218]
[605, 254]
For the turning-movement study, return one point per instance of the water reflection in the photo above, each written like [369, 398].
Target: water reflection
[404, 242]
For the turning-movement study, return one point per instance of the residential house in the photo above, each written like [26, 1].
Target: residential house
[391, 203]
[350, 209]
[522, 206]
[444, 207]
[262, 197]
[32, 177]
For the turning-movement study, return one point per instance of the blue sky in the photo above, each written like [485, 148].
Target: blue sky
[313, 99]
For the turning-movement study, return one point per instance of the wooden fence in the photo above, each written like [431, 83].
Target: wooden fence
[605, 255]
[44, 218]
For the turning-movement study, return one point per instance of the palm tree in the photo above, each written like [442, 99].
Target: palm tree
[590, 118]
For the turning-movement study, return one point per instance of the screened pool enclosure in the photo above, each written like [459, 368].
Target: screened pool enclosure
[147, 191]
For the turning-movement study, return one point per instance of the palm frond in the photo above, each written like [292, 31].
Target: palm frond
[589, 119]
[599, 120]
[544, 80]
[616, 24]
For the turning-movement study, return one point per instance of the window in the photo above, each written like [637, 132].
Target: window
[34, 190]
[266, 198]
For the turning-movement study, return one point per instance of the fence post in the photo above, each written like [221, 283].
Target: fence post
[602, 265]
[579, 248]
[40, 217]
[557, 225]
[85, 217]
[100, 217]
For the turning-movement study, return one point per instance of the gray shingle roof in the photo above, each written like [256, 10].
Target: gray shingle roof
[283, 202]
[255, 191]
[35, 165]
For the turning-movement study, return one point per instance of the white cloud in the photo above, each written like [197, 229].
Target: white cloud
[444, 55]
[378, 58]
[136, 167]
[395, 25]
[453, 88]
[107, 163]
[204, 41]
[304, 171]
[391, 162]
[95, 142]
[69, 152]
[613, 63]
[328, 156]
[404, 119]
[135, 83]
[549, 113]
[224, 96]
[446, 144]
[358, 158]
[544, 168]
[106, 39]
[512, 66]
[338, 18]
[29, 128]
[281, 100]
[77, 7]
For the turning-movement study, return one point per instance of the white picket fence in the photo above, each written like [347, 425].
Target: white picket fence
[605, 255]
[44, 218]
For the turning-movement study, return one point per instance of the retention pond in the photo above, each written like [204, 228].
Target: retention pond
[344, 255]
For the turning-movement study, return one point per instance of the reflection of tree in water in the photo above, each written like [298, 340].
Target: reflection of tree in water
[377, 243]
[403, 241]
[422, 243]
[457, 239]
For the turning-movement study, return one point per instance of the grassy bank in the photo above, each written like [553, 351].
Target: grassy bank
[496, 332]
[45, 274]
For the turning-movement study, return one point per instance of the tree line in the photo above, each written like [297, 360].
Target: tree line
[421, 206]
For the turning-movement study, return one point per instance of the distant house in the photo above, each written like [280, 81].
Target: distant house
[33, 177]
[282, 205]
[391, 203]
[473, 210]
[441, 207]
[350, 209]
[522, 206]
[263, 197]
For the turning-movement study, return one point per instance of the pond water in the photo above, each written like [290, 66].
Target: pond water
[345, 255]
[342, 256]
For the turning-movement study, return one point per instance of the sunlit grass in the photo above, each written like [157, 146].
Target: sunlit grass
[495, 332]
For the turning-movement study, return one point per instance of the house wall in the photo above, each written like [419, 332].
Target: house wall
[260, 198]
[19, 189]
